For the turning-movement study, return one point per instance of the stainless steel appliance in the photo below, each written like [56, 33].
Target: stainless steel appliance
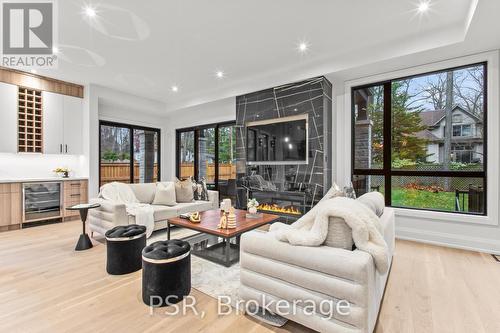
[42, 201]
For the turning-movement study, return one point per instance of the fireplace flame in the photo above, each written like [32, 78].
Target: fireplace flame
[279, 209]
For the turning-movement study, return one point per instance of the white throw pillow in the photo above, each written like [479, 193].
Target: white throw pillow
[165, 194]
[373, 200]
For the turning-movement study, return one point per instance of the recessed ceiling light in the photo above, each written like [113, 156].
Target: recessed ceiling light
[303, 47]
[175, 88]
[219, 74]
[90, 11]
[33, 71]
[423, 6]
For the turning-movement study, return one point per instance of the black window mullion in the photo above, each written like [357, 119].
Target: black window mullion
[196, 150]
[387, 142]
[216, 161]
[132, 159]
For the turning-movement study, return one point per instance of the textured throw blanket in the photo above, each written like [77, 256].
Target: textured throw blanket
[312, 228]
[121, 193]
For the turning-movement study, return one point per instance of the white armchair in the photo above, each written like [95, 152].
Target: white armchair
[272, 270]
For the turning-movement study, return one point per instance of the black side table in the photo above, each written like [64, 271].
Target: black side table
[84, 242]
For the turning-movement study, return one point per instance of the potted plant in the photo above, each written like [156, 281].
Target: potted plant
[252, 205]
[63, 172]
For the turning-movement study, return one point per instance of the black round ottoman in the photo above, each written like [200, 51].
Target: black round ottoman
[124, 248]
[166, 272]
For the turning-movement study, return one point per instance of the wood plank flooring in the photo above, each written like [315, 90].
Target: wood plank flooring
[45, 286]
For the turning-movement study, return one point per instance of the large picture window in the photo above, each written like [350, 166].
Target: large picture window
[421, 140]
[128, 153]
[209, 152]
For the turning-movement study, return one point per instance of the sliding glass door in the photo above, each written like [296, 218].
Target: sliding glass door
[128, 154]
[206, 155]
[209, 152]
[227, 162]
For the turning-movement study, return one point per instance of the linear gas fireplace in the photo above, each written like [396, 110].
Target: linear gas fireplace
[283, 147]
[276, 208]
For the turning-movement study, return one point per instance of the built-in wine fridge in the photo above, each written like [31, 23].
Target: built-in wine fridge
[42, 201]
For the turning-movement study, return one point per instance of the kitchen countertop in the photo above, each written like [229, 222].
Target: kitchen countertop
[46, 179]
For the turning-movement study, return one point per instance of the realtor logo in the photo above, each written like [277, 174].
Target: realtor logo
[28, 33]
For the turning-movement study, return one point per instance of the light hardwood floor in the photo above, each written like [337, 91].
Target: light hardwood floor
[45, 286]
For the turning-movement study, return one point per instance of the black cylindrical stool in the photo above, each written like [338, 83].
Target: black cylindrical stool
[166, 272]
[124, 248]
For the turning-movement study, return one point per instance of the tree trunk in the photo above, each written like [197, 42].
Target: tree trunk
[448, 126]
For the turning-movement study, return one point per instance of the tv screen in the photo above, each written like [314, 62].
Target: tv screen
[282, 140]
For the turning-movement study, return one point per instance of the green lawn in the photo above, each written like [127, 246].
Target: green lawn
[425, 199]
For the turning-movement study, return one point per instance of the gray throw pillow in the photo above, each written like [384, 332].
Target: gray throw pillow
[349, 192]
[184, 190]
[200, 190]
[333, 192]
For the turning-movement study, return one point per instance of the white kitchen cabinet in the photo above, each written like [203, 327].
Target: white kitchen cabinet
[73, 125]
[53, 123]
[8, 118]
[62, 126]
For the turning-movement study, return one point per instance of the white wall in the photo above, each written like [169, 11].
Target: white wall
[213, 112]
[107, 104]
[22, 166]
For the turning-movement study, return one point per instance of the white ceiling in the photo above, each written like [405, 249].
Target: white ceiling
[145, 47]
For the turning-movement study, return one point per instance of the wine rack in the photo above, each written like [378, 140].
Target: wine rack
[30, 121]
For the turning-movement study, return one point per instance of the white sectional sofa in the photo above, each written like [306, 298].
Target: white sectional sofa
[111, 214]
[272, 270]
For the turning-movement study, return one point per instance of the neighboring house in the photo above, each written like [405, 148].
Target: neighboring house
[467, 138]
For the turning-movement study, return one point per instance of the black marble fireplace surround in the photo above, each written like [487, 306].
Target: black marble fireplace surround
[287, 184]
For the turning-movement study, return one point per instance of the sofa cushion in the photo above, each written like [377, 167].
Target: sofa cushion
[165, 194]
[184, 190]
[162, 213]
[144, 192]
[195, 206]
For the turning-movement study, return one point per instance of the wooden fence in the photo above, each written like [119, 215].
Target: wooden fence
[226, 171]
[120, 172]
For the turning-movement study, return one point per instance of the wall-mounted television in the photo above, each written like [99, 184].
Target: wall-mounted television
[278, 141]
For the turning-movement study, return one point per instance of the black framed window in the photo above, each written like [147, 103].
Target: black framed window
[421, 140]
[208, 152]
[128, 153]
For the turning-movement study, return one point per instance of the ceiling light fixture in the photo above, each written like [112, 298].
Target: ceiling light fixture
[175, 88]
[423, 7]
[303, 47]
[219, 74]
[90, 11]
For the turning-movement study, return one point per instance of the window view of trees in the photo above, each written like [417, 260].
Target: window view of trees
[219, 170]
[436, 124]
[116, 164]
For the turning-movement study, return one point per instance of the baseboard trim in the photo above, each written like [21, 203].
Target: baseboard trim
[448, 240]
